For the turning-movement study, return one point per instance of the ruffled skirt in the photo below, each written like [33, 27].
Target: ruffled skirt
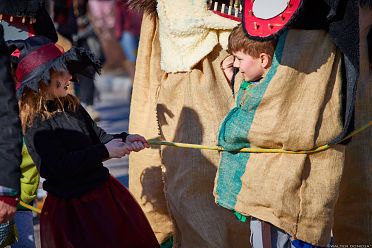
[107, 216]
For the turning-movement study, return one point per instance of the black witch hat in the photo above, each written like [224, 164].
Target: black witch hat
[38, 55]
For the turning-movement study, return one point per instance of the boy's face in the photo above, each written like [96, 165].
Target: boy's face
[251, 68]
[59, 83]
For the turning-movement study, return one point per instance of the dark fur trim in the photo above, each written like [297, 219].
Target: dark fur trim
[21, 7]
[148, 6]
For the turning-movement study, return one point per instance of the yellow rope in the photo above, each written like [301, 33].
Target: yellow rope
[37, 210]
[218, 148]
[359, 130]
[256, 150]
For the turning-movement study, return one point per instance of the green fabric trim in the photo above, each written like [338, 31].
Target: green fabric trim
[167, 243]
[244, 85]
[234, 131]
[240, 217]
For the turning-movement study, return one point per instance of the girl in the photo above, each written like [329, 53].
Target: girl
[85, 206]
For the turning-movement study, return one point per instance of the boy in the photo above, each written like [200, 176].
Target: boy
[281, 104]
[252, 58]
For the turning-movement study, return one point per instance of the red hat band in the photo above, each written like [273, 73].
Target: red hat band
[36, 58]
[263, 18]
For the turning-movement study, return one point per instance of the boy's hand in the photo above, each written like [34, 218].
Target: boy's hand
[137, 142]
[228, 62]
[227, 67]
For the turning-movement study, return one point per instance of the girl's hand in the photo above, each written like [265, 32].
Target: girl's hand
[136, 146]
[117, 148]
[138, 142]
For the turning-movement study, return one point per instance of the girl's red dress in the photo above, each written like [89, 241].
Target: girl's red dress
[107, 216]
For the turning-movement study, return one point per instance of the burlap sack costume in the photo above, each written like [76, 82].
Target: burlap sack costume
[175, 186]
[297, 106]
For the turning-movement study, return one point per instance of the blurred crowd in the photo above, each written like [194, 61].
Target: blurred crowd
[108, 28]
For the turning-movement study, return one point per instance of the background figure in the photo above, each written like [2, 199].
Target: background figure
[87, 38]
[10, 137]
[21, 19]
[127, 31]
[353, 215]
[24, 218]
[86, 92]
[25, 228]
[10, 143]
[102, 13]
[64, 15]
[73, 23]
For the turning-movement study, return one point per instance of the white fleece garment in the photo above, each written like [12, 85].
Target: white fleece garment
[188, 32]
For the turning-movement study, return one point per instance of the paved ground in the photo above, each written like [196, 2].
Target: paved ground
[113, 106]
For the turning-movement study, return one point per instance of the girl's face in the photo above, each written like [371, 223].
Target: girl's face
[59, 83]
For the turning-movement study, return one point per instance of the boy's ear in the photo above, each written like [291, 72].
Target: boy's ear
[265, 60]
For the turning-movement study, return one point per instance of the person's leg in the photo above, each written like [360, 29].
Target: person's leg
[129, 43]
[279, 239]
[87, 89]
[86, 96]
[256, 233]
[25, 227]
